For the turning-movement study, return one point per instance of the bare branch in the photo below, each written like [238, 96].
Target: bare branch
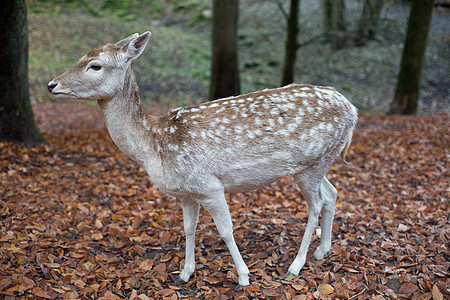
[282, 9]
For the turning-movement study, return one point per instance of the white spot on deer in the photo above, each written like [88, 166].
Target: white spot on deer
[319, 109]
[313, 133]
[203, 134]
[173, 129]
[222, 108]
[214, 105]
[203, 106]
[292, 127]
[287, 106]
[310, 109]
[274, 111]
[293, 144]
[179, 113]
[301, 112]
[321, 126]
[194, 109]
[284, 132]
[173, 147]
[268, 139]
[145, 124]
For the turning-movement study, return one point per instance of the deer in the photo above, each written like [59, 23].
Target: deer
[240, 143]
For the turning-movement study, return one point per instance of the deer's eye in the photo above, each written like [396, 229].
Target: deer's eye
[96, 67]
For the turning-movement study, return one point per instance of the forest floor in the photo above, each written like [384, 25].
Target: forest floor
[80, 220]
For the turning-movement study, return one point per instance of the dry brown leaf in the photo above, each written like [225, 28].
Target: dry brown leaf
[437, 295]
[326, 288]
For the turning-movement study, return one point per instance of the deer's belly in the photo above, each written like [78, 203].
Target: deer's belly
[251, 175]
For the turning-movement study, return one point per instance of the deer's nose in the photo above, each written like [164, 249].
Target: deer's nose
[51, 86]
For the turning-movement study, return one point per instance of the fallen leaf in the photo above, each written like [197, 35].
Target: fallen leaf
[437, 295]
[327, 289]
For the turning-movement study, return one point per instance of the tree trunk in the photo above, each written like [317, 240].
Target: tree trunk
[377, 6]
[225, 68]
[291, 43]
[327, 7]
[368, 21]
[408, 82]
[338, 38]
[363, 25]
[16, 115]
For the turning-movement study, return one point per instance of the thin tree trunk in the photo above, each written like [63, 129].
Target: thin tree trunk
[377, 6]
[327, 7]
[291, 43]
[16, 115]
[225, 79]
[338, 38]
[368, 21]
[363, 24]
[408, 82]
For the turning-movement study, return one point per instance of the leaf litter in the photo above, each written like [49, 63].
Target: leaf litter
[78, 220]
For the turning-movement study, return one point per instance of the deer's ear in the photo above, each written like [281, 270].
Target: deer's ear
[125, 41]
[137, 46]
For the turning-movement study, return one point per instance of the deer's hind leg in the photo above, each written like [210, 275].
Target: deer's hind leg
[318, 194]
[310, 187]
[328, 194]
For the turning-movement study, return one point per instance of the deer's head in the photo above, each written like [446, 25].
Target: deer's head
[99, 74]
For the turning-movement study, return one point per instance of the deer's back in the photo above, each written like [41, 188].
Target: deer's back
[251, 140]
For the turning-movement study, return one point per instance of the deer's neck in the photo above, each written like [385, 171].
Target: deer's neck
[131, 129]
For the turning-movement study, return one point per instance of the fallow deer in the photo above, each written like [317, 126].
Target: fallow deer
[240, 143]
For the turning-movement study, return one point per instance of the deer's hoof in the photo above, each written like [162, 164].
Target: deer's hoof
[179, 281]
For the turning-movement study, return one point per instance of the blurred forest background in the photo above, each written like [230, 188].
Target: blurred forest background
[176, 67]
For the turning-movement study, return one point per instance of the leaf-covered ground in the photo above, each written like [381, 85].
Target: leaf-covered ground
[78, 220]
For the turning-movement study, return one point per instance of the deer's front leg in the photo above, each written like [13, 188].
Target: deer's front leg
[218, 208]
[190, 218]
